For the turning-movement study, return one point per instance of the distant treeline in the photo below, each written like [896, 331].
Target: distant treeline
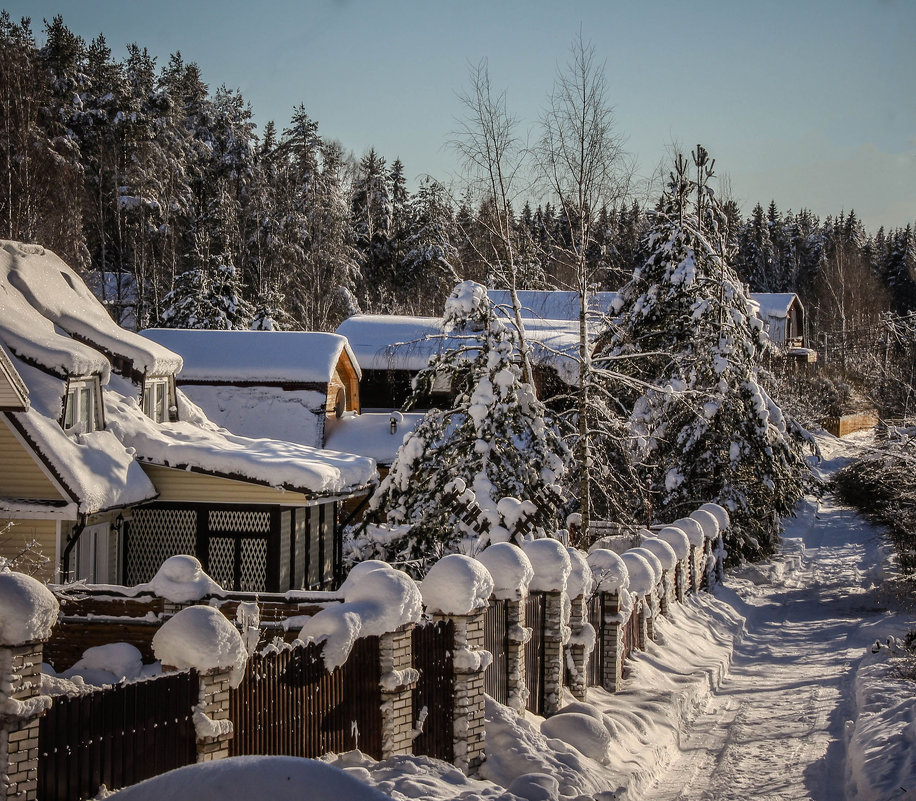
[133, 168]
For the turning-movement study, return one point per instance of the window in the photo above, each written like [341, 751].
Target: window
[156, 399]
[82, 406]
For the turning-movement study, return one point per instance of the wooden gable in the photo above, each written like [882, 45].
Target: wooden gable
[344, 380]
[22, 475]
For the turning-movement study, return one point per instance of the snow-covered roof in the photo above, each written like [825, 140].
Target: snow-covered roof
[369, 434]
[301, 357]
[45, 308]
[553, 304]
[393, 342]
[774, 304]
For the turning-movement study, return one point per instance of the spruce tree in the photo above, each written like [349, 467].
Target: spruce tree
[705, 429]
[494, 444]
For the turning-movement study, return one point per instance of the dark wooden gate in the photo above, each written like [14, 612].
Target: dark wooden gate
[434, 695]
[536, 620]
[289, 704]
[595, 672]
[630, 631]
[496, 641]
[116, 737]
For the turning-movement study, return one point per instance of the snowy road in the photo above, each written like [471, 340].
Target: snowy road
[774, 728]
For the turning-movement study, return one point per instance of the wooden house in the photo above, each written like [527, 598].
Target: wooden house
[111, 469]
[278, 384]
[783, 318]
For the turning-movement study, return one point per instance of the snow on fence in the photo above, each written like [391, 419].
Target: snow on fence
[305, 673]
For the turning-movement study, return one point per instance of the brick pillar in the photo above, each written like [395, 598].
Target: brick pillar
[611, 642]
[211, 716]
[20, 692]
[694, 562]
[579, 648]
[398, 679]
[681, 579]
[556, 633]
[650, 609]
[470, 660]
[666, 591]
[642, 627]
[519, 634]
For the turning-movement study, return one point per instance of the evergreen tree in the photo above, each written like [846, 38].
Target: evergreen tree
[495, 446]
[705, 429]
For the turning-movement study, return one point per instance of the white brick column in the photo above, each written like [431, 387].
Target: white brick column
[398, 678]
[579, 648]
[21, 704]
[211, 716]
[519, 634]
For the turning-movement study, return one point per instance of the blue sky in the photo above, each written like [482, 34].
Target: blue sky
[809, 103]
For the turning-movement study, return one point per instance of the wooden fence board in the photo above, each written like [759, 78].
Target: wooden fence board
[433, 649]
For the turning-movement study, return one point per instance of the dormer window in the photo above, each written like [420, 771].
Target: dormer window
[82, 405]
[156, 399]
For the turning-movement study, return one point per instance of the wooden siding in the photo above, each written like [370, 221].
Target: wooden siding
[43, 532]
[21, 475]
[183, 485]
[344, 378]
[13, 393]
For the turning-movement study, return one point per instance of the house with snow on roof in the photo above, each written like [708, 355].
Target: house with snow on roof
[110, 468]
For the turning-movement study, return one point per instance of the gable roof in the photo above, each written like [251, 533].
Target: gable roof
[44, 307]
[255, 357]
[393, 342]
[774, 304]
[553, 304]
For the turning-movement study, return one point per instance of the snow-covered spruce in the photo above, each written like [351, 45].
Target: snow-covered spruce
[377, 600]
[495, 450]
[181, 579]
[706, 427]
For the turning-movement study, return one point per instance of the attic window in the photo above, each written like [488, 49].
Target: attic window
[82, 405]
[156, 399]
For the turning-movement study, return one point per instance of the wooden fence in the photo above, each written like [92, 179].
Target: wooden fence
[496, 641]
[116, 736]
[536, 620]
[433, 697]
[288, 703]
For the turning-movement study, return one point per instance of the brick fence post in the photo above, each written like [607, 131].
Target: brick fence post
[611, 642]
[556, 633]
[398, 679]
[518, 636]
[470, 660]
[578, 650]
[21, 704]
[211, 716]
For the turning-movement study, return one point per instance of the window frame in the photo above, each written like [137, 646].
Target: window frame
[152, 386]
[83, 399]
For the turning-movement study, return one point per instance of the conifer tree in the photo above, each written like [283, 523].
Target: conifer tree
[495, 446]
[705, 428]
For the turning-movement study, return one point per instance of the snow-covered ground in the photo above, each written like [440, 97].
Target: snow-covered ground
[767, 690]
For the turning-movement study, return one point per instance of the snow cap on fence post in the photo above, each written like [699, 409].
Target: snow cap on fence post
[181, 579]
[510, 568]
[663, 551]
[708, 522]
[677, 538]
[654, 562]
[718, 512]
[28, 609]
[580, 581]
[641, 573]
[378, 599]
[609, 570]
[693, 528]
[457, 585]
[202, 638]
[551, 564]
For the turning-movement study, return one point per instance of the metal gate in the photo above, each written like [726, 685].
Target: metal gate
[290, 704]
[116, 737]
[434, 695]
[536, 620]
[496, 641]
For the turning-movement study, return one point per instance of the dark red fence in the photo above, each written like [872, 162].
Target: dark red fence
[434, 695]
[116, 737]
[536, 620]
[496, 641]
[288, 703]
[629, 632]
[595, 669]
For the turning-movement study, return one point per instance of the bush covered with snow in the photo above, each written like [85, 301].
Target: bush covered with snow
[457, 585]
[201, 638]
[28, 609]
[181, 579]
[583, 732]
[510, 568]
[109, 664]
